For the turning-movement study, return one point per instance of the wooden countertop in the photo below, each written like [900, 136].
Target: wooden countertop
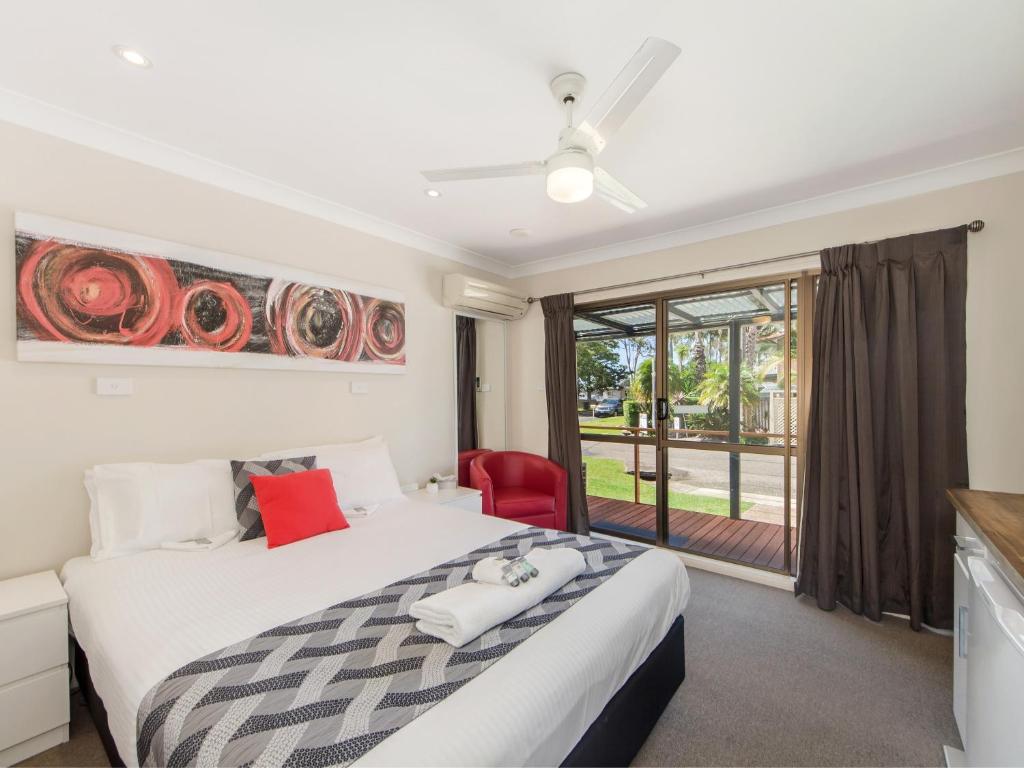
[999, 519]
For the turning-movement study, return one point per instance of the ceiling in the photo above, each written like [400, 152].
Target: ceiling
[769, 103]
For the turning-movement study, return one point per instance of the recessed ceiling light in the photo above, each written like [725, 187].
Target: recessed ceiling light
[519, 232]
[132, 56]
[432, 192]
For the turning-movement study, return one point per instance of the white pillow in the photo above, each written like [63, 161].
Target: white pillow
[139, 506]
[362, 472]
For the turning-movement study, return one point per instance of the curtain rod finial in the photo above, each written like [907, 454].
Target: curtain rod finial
[976, 226]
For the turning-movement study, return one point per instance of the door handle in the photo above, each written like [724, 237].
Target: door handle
[662, 409]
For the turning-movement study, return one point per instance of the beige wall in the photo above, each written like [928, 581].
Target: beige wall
[995, 352]
[490, 368]
[53, 426]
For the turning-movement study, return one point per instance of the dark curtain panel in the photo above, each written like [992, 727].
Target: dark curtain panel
[561, 390]
[887, 431]
[465, 362]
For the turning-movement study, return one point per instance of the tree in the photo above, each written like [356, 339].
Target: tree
[641, 388]
[700, 361]
[633, 349]
[749, 342]
[714, 390]
[597, 367]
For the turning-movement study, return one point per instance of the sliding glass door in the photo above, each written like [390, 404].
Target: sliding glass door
[616, 369]
[691, 411]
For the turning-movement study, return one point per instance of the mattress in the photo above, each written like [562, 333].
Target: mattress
[141, 617]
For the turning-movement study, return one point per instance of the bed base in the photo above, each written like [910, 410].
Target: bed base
[95, 704]
[613, 739]
[623, 726]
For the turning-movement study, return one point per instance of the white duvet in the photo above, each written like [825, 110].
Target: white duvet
[141, 617]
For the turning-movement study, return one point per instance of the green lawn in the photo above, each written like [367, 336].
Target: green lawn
[607, 478]
[611, 421]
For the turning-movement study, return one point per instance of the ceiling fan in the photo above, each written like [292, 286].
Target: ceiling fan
[571, 173]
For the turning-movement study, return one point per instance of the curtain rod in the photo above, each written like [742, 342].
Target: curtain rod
[975, 226]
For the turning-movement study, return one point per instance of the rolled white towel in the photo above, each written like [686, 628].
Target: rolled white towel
[490, 570]
[465, 612]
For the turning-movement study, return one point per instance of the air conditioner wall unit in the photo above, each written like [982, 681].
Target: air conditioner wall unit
[479, 297]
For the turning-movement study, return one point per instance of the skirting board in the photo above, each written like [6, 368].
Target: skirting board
[35, 745]
[737, 571]
[955, 758]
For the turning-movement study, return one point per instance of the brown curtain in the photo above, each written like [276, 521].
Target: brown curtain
[887, 430]
[465, 380]
[560, 387]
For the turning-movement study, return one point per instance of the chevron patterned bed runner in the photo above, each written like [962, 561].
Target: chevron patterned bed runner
[325, 689]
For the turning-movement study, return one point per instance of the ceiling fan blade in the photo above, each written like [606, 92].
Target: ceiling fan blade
[615, 192]
[627, 90]
[485, 172]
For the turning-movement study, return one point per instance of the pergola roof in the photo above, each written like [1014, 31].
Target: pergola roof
[764, 303]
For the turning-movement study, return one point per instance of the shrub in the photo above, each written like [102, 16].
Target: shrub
[631, 410]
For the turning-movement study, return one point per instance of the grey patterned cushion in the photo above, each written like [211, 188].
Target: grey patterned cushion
[246, 508]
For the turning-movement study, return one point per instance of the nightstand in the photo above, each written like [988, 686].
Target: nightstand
[34, 683]
[463, 498]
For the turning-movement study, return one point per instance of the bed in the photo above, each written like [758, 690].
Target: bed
[586, 688]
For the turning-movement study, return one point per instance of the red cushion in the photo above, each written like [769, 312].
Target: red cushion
[297, 506]
[515, 501]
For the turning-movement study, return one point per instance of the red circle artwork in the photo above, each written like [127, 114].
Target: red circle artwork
[84, 295]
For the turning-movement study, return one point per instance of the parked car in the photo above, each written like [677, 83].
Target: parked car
[609, 407]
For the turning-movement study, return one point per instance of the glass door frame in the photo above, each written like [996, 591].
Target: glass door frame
[793, 447]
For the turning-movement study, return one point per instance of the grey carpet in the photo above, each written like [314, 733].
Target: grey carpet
[770, 680]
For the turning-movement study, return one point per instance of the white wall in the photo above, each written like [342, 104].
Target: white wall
[995, 351]
[52, 426]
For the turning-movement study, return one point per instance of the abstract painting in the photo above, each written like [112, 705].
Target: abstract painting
[92, 295]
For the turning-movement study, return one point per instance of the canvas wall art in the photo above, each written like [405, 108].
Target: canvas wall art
[92, 295]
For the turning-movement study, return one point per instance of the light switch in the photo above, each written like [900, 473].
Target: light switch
[360, 388]
[484, 388]
[110, 387]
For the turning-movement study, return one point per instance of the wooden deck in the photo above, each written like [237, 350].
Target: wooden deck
[744, 541]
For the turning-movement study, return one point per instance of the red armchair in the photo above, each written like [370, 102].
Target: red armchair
[465, 459]
[521, 486]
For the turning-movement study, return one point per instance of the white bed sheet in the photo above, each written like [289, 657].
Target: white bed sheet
[141, 617]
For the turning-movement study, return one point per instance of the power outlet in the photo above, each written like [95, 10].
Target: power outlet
[110, 387]
[360, 388]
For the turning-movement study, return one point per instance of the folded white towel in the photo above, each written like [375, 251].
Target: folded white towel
[360, 511]
[465, 612]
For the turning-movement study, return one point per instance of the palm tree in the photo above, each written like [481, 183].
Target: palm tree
[714, 390]
[700, 361]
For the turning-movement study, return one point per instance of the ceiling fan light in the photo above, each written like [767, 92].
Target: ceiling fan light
[570, 176]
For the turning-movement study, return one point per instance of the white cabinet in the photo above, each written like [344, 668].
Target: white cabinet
[966, 546]
[995, 669]
[34, 699]
[468, 499]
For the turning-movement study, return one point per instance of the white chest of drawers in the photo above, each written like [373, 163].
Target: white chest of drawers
[34, 698]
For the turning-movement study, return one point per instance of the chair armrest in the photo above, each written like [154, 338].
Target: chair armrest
[479, 479]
